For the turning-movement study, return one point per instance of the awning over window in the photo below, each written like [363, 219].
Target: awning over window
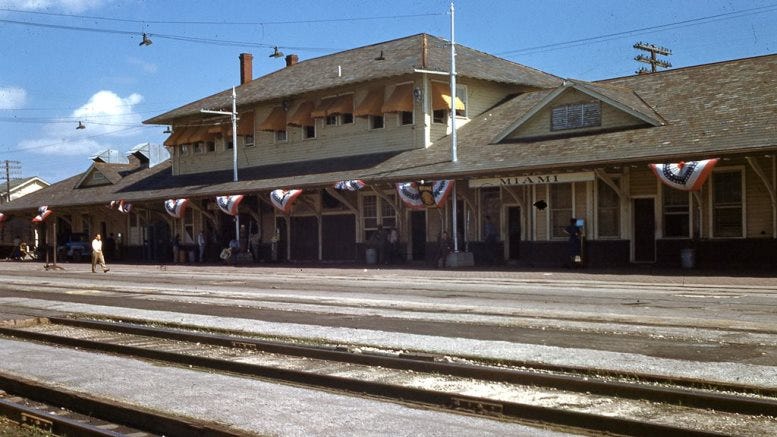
[371, 105]
[194, 134]
[275, 122]
[245, 124]
[216, 129]
[301, 116]
[334, 105]
[401, 99]
[441, 97]
[172, 140]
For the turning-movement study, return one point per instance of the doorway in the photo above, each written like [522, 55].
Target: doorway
[418, 235]
[644, 230]
[514, 232]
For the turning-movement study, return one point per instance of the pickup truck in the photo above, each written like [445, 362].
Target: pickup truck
[76, 248]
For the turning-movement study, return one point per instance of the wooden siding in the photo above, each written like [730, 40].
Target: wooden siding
[539, 124]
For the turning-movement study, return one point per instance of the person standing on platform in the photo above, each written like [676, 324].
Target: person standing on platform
[97, 254]
[202, 243]
[490, 236]
[574, 249]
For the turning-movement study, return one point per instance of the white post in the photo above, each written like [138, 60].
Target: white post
[454, 145]
[234, 158]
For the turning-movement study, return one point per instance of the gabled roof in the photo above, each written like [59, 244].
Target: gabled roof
[20, 183]
[402, 56]
[621, 98]
[709, 110]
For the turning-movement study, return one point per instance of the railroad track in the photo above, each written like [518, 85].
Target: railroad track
[559, 396]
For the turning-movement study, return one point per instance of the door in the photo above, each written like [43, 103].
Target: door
[338, 237]
[304, 238]
[644, 230]
[514, 232]
[418, 234]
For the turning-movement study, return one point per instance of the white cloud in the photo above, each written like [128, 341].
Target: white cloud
[109, 121]
[12, 97]
[61, 5]
[146, 67]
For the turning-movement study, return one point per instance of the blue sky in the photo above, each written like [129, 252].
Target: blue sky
[65, 61]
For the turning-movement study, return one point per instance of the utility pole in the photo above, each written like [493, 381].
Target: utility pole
[11, 167]
[652, 60]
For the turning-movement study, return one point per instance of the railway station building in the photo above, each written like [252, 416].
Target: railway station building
[332, 150]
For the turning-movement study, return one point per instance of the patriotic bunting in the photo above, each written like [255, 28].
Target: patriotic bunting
[3, 217]
[229, 204]
[43, 213]
[351, 185]
[176, 207]
[284, 199]
[427, 195]
[121, 206]
[686, 176]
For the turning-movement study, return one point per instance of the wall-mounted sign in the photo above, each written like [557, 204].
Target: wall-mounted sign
[539, 179]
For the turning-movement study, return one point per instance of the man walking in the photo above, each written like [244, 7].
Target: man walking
[97, 254]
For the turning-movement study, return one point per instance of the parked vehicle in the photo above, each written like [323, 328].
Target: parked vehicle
[77, 248]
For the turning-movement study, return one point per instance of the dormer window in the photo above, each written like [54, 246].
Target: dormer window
[576, 116]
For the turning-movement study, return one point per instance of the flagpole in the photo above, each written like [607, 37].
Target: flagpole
[454, 145]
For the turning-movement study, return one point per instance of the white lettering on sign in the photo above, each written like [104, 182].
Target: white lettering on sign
[534, 179]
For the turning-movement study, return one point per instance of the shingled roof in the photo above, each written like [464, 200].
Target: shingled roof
[402, 56]
[708, 110]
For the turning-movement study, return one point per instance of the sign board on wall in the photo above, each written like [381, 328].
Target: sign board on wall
[542, 179]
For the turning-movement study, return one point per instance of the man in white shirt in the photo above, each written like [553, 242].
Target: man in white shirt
[97, 254]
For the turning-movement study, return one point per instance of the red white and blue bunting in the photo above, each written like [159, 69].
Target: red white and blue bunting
[284, 199]
[43, 213]
[418, 195]
[3, 217]
[176, 207]
[121, 206]
[229, 204]
[686, 176]
[350, 185]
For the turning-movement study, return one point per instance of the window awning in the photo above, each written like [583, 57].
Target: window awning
[245, 125]
[172, 140]
[441, 97]
[275, 122]
[193, 135]
[341, 105]
[301, 116]
[323, 107]
[216, 129]
[401, 99]
[371, 104]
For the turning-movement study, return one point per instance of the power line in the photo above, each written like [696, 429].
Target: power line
[75, 140]
[610, 36]
[230, 23]
[211, 41]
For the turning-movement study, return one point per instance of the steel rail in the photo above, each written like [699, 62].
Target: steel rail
[686, 396]
[51, 423]
[483, 406]
[109, 411]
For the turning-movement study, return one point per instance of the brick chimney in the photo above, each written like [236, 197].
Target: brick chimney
[291, 60]
[246, 68]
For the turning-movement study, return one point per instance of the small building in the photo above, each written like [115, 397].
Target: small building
[534, 151]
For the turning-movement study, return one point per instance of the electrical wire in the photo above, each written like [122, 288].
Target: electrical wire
[668, 26]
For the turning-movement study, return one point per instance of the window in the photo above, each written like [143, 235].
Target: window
[576, 115]
[197, 147]
[376, 211]
[727, 204]
[331, 120]
[677, 216]
[560, 208]
[376, 122]
[608, 210]
[440, 116]
[309, 132]
[210, 146]
[346, 118]
[461, 94]
[184, 149]
[227, 144]
[249, 140]
[280, 136]
[406, 117]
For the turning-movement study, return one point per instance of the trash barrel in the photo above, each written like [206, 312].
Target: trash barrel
[688, 258]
